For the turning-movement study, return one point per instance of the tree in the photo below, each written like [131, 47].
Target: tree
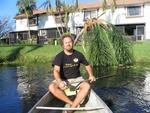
[106, 45]
[5, 27]
[26, 7]
[109, 4]
[47, 5]
[58, 5]
[63, 10]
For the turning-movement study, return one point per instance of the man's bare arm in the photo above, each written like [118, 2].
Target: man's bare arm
[56, 73]
[90, 73]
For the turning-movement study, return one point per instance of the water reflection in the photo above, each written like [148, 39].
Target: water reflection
[127, 90]
[9, 97]
[146, 91]
[21, 87]
[32, 84]
[124, 91]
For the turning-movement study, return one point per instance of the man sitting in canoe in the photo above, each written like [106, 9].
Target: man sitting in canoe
[66, 68]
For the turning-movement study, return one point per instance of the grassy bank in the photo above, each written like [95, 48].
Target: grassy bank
[142, 52]
[46, 53]
[29, 54]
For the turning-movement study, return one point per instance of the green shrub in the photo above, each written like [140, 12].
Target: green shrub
[51, 41]
[25, 42]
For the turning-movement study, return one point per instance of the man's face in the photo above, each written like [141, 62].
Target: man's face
[67, 43]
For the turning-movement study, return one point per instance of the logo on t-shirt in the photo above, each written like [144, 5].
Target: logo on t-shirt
[75, 60]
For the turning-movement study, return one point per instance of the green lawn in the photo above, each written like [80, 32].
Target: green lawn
[46, 53]
[142, 52]
[28, 54]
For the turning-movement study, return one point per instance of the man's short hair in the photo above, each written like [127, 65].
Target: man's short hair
[64, 36]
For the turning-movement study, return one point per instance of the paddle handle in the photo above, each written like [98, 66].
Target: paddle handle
[86, 80]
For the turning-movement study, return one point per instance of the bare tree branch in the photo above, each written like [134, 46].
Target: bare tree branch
[78, 36]
[5, 27]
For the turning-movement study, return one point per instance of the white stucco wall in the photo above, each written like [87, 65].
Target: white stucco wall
[119, 18]
[76, 20]
[147, 20]
[47, 21]
[21, 25]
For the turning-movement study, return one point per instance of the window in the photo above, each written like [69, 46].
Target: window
[140, 32]
[60, 18]
[33, 21]
[87, 15]
[21, 22]
[134, 11]
[90, 14]
[43, 33]
[121, 29]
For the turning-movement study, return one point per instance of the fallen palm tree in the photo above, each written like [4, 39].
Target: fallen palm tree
[104, 44]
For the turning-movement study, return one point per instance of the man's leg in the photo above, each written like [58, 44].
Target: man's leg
[58, 93]
[83, 92]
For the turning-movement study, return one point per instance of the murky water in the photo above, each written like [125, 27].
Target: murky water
[125, 91]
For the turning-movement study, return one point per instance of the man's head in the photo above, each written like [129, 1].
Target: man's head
[67, 42]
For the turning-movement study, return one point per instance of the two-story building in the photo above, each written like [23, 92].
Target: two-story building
[130, 16]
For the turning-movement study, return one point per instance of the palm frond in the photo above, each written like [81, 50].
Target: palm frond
[105, 45]
[122, 46]
[100, 49]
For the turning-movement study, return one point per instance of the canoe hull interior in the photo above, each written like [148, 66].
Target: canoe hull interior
[93, 100]
[47, 100]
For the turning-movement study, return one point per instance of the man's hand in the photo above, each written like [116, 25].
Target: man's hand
[92, 78]
[90, 72]
[62, 85]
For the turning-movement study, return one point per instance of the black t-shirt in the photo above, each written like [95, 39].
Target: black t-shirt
[70, 64]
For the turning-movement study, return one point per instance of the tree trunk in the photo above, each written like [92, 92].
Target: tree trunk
[28, 26]
[29, 33]
[78, 36]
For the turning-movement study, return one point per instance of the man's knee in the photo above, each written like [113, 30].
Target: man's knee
[52, 87]
[85, 85]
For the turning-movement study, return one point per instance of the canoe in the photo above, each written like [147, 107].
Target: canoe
[93, 104]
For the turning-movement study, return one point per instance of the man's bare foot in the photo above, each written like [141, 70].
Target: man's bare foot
[68, 111]
[67, 106]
